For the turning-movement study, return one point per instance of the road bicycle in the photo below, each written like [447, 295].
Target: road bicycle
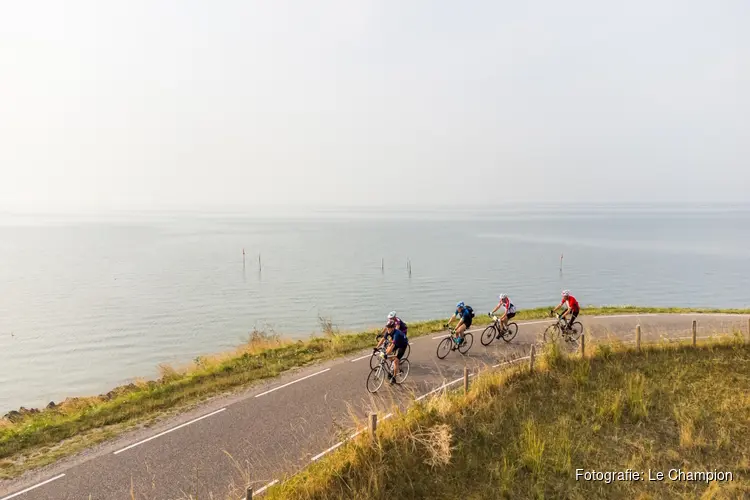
[496, 331]
[374, 359]
[385, 367]
[560, 329]
[450, 343]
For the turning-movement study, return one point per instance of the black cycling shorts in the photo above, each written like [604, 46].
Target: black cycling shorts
[400, 351]
[510, 315]
[573, 315]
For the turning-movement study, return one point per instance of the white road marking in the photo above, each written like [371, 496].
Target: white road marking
[33, 487]
[441, 336]
[360, 358]
[439, 388]
[356, 434]
[290, 383]
[535, 322]
[636, 315]
[736, 315]
[168, 431]
[321, 454]
[261, 490]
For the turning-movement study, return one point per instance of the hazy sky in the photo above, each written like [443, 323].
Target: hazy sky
[197, 104]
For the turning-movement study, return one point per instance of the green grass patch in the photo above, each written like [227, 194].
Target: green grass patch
[522, 435]
[81, 421]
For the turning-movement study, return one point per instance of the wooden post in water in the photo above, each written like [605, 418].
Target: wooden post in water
[372, 424]
[259, 264]
[382, 264]
[531, 358]
[695, 331]
[638, 338]
[466, 380]
[249, 493]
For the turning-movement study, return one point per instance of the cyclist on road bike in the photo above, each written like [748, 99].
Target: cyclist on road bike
[398, 343]
[383, 336]
[572, 307]
[466, 313]
[510, 310]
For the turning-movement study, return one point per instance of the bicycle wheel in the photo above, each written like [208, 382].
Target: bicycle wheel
[406, 352]
[444, 347]
[403, 370]
[575, 331]
[464, 347]
[488, 335]
[511, 332]
[375, 379]
[552, 333]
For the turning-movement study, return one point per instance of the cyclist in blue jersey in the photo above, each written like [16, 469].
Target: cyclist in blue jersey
[466, 315]
[399, 341]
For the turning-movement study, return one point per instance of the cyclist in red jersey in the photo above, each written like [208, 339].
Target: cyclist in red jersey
[572, 307]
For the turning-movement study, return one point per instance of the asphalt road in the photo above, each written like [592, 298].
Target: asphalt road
[279, 426]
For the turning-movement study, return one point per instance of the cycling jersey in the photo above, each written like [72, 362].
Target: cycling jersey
[399, 339]
[467, 316]
[572, 303]
[508, 305]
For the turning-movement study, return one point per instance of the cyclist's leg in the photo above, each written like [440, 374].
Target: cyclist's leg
[573, 316]
[459, 332]
[508, 317]
[397, 360]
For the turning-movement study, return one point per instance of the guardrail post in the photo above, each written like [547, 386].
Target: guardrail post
[372, 424]
[695, 330]
[249, 494]
[638, 338]
[583, 345]
[531, 358]
[466, 380]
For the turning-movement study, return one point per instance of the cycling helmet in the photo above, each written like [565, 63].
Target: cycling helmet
[566, 293]
[460, 305]
[503, 296]
[391, 314]
[391, 324]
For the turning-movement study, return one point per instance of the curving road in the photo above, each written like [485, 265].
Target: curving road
[280, 426]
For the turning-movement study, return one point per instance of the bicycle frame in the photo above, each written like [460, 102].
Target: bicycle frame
[562, 324]
[386, 363]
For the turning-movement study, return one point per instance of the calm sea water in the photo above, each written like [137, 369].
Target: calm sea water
[87, 303]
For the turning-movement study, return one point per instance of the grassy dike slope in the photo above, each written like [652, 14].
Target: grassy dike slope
[38, 438]
[522, 435]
